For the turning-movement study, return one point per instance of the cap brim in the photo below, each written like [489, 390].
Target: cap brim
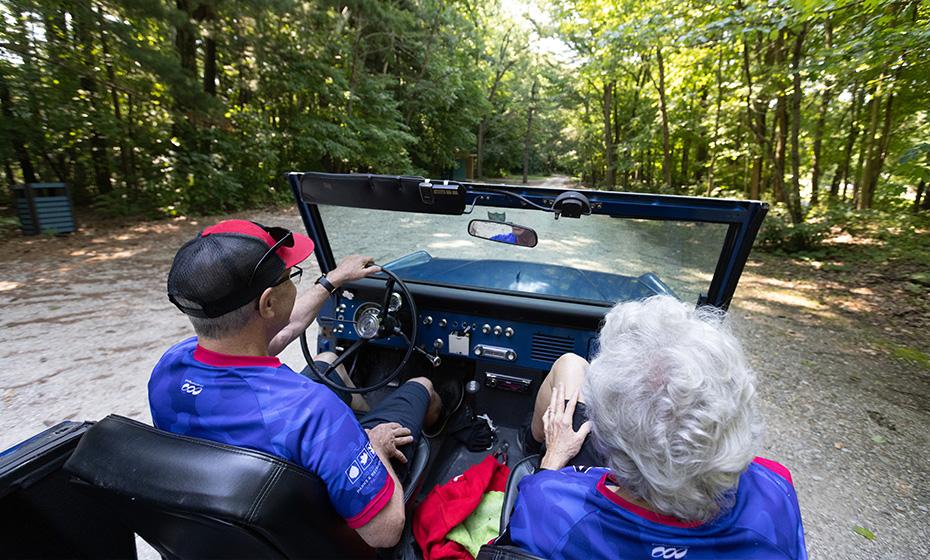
[303, 247]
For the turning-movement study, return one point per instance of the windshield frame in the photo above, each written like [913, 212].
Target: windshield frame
[743, 218]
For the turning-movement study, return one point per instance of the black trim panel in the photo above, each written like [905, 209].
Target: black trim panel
[491, 304]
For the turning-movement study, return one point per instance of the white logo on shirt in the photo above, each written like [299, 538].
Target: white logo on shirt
[353, 472]
[366, 457]
[191, 387]
[669, 552]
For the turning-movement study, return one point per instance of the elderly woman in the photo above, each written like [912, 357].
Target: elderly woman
[668, 470]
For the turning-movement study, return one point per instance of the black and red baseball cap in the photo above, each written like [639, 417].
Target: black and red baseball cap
[230, 264]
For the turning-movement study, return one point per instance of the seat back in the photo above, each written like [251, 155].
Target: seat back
[192, 498]
[525, 467]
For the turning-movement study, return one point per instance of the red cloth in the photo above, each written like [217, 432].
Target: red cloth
[451, 503]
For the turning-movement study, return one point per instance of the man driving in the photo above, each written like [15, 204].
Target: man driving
[236, 282]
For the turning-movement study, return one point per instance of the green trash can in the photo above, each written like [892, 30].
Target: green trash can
[44, 208]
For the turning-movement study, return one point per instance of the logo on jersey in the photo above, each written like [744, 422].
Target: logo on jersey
[191, 387]
[669, 552]
[366, 457]
[353, 472]
[363, 461]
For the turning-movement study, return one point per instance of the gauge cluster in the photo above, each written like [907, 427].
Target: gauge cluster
[442, 333]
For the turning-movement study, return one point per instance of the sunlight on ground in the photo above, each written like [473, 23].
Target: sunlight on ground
[6, 286]
[125, 254]
[847, 239]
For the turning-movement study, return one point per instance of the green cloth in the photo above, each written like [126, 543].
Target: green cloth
[482, 525]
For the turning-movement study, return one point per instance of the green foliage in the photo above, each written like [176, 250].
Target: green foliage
[779, 233]
[153, 107]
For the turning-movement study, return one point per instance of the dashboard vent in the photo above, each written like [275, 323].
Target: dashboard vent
[548, 348]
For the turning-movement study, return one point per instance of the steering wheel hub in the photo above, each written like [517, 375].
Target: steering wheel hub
[368, 322]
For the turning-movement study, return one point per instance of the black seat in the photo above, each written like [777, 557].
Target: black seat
[525, 467]
[192, 498]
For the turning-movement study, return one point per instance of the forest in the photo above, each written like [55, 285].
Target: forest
[166, 107]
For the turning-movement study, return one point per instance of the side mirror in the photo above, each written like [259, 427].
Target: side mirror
[503, 232]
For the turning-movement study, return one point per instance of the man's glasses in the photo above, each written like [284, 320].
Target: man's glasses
[282, 237]
[294, 276]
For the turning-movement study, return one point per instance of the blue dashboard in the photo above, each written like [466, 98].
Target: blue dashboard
[464, 335]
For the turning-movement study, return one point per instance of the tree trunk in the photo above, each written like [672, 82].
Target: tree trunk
[920, 192]
[685, 151]
[99, 148]
[529, 130]
[756, 113]
[867, 151]
[503, 65]
[609, 153]
[185, 40]
[716, 138]
[858, 97]
[877, 160]
[16, 139]
[114, 99]
[781, 119]
[663, 107]
[794, 201]
[209, 65]
[821, 120]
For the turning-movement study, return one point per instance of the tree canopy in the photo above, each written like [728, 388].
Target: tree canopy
[174, 106]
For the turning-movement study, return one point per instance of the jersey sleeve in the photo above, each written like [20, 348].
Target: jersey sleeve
[338, 450]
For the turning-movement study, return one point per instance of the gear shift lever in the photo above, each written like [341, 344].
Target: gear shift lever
[471, 390]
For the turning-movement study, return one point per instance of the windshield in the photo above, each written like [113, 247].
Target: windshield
[596, 258]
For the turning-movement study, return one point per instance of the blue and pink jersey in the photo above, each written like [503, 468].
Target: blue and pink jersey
[572, 514]
[259, 403]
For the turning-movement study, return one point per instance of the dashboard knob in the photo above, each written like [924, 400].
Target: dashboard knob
[428, 320]
[510, 355]
[443, 323]
[485, 328]
[497, 330]
[508, 332]
[478, 350]
[437, 344]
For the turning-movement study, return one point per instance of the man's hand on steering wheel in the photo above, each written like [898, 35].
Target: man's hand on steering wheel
[353, 267]
[387, 438]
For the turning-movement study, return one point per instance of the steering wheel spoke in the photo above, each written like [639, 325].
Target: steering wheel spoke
[346, 354]
[386, 300]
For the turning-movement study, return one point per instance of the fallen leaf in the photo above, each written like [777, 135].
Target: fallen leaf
[878, 439]
[838, 445]
[864, 532]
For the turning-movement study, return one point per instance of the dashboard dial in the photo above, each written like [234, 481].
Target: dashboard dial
[395, 302]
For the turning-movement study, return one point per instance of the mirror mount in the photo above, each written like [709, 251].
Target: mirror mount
[571, 204]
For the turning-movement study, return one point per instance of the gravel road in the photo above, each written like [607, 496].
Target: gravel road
[83, 319]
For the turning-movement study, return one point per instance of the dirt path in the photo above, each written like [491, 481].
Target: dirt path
[84, 318]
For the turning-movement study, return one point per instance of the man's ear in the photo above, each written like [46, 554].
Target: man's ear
[266, 304]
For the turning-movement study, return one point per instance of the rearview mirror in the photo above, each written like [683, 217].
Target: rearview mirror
[503, 232]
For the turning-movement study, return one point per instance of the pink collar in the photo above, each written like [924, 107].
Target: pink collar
[212, 358]
[641, 511]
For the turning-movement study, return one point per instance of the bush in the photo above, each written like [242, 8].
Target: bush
[779, 233]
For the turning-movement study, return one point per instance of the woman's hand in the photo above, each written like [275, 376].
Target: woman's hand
[562, 441]
[386, 438]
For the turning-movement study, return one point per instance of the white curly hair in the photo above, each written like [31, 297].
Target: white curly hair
[671, 400]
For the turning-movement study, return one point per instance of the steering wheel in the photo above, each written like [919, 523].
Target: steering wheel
[373, 323]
